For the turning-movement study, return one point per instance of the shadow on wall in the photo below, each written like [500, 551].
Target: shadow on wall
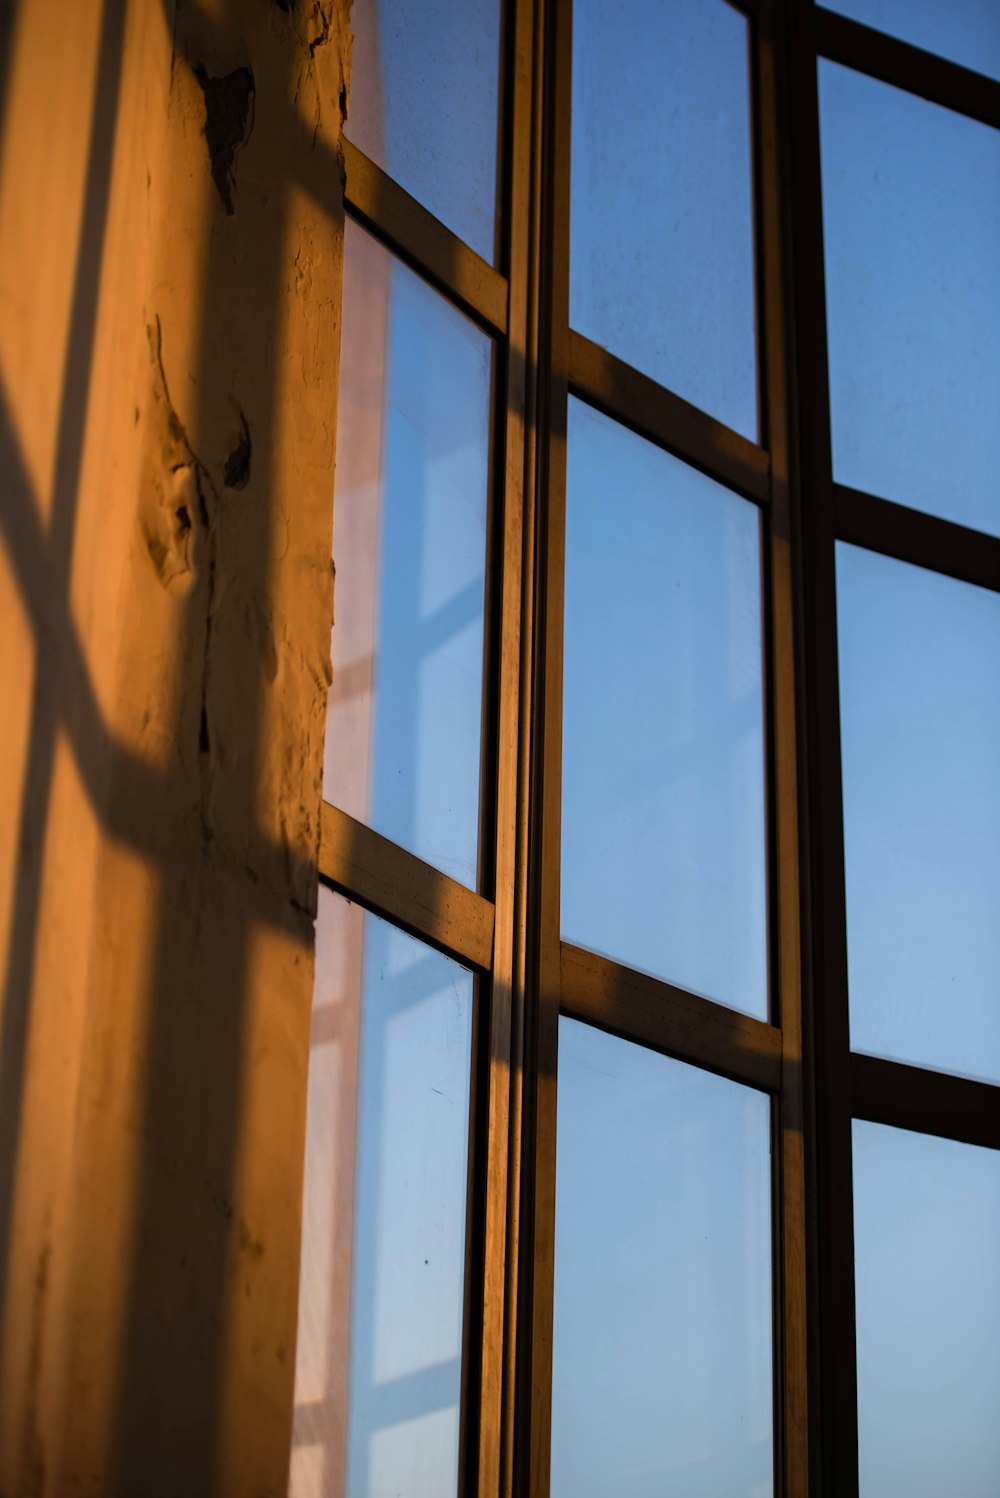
[166, 545]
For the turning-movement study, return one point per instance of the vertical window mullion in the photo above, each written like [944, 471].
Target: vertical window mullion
[537, 1235]
[832, 1328]
[501, 1162]
[790, 1343]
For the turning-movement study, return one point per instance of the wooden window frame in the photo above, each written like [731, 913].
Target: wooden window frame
[509, 932]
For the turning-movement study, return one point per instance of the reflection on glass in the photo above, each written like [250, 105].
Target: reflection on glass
[663, 840]
[963, 31]
[409, 544]
[661, 221]
[920, 732]
[661, 1370]
[927, 1275]
[387, 1142]
[425, 89]
[911, 213]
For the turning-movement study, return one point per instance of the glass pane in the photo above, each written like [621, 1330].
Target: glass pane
[911, 210]
[387, 1143]
[964, 31]
[425, 90]
[663, 839]
[926, 1228]
[661, 1368]
[920, 731]
[661, 224]
[409, 546]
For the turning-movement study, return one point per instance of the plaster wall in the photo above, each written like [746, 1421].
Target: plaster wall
[170, 262]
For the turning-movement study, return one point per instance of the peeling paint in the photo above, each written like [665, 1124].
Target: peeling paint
[175, 495]
[229, 111]
[322, 36]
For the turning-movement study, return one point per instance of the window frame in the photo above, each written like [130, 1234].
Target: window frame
[768, 1056]
[848, 1085]
[509, 932]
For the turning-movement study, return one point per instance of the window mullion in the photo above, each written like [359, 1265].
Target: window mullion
[791, 1197]
[503, 1162]
[832, 1327]
[551, 282]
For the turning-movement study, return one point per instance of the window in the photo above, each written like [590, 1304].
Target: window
[657, 964]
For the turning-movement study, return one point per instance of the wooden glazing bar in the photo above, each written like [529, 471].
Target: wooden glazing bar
[367, 867]
[897, 531]
[667, 419]
[423, 240]
[931, 1102]
[668, 1019]
[908, 67]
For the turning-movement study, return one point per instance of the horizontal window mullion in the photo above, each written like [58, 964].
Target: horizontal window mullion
[424, 242]
[668, 1019]
[914, 536]
[907, 67]
[928, 1102]
[667, 419]
[386, 879]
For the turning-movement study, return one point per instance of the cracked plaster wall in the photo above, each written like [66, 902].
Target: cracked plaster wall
[170, 260]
